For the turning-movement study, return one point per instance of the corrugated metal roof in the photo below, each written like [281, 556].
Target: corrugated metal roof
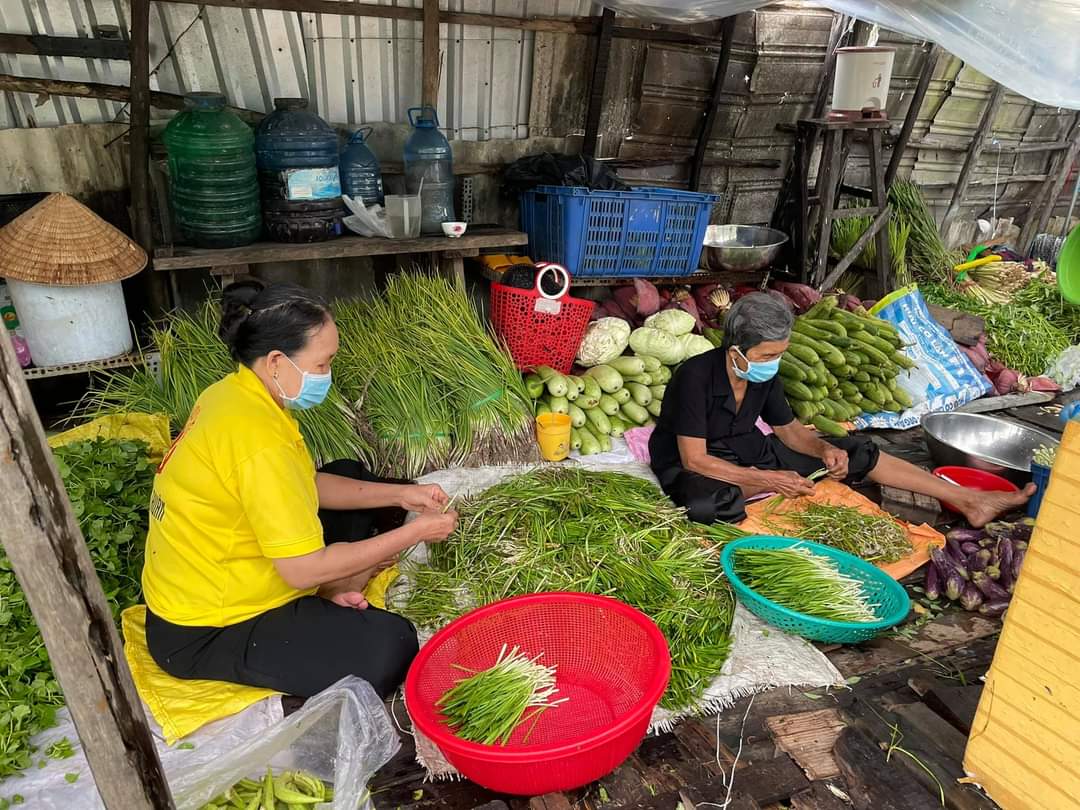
[353, 69]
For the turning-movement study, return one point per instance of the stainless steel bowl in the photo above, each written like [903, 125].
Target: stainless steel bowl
[984, 442]
[740, 247]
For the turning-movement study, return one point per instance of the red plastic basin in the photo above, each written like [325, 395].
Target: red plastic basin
[974, 479]
[612, 664]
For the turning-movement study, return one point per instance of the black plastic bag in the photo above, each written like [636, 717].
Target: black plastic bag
[547, 169]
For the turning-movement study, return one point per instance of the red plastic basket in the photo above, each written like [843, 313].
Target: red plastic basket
[612, 663]
[540, 329]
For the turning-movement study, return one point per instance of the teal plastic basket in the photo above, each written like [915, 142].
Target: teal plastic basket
[886, 592]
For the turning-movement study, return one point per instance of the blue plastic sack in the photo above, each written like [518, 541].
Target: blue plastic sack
[944, 380]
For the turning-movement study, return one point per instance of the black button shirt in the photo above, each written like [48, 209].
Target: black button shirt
[699, 403]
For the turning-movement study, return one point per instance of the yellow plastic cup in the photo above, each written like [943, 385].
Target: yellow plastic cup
[553, 435]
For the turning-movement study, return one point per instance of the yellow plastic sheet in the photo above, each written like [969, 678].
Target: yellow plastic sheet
[181, 707]
[150, 428]
[836, 494]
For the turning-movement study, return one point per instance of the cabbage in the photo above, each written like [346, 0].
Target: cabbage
[693, 345]
[673, 321]
[604, 340]
[662, 345]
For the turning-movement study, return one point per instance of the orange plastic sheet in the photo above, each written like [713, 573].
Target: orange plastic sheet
[837, 494]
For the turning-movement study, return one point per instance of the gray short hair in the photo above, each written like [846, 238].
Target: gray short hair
[756, 318]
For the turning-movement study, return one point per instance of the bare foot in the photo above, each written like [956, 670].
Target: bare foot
[982, 507]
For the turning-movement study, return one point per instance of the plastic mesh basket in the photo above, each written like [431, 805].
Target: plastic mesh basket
[642, 232]
[886, 592]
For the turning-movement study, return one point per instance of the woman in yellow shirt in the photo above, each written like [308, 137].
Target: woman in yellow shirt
[255, 561]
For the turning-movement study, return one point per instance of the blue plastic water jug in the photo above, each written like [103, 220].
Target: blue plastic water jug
[428, 158]
[297, 156]
[361, 178]
[212, 182]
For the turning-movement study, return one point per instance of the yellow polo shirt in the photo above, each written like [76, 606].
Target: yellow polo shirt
[235, 491]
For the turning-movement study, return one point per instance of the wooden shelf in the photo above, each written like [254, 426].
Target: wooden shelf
[186, 258]
[150, 359]
[731, 278]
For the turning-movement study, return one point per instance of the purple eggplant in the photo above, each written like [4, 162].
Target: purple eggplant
[946, 565]
[933, 582]
[998, 529]
[970, 598]
[1022, 529]
[989, 588]
[953, 546]
[987, 542]
[979, 560]
[1005, 554]
[954, 585]
[969, 548]
[993, 571]
[966, 535]
[1017, 561]
[1006, 579]
[994, 607]
[1020, 545]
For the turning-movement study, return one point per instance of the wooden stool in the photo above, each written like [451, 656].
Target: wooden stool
[838, 135]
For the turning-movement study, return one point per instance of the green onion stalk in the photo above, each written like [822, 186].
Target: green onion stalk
[808, 583]
[875, 538]
[571, 529]
[489, 705]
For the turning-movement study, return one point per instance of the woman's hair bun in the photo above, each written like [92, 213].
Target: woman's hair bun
[257, 319]
[237, 301]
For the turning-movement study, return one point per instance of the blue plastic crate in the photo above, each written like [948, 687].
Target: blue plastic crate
[642, 232]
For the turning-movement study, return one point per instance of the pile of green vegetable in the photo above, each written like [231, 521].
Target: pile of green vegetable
[1018, 335]
[432, 386]
[109, 485]
[192, 359]
[605, 401]
[846, 232]
[1043, 295]
[488, 706]
[841, 364]
[286, 791]
[875, 538]
[808, 583]
[570, 529]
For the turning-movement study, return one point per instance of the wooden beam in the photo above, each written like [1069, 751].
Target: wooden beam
[880, 200]
[86, 47]
[713, 104]
[140, 123]
[597, 83]
[432, 63]
[1039, 213]
[978, 141]
[840, 25]
[900, 145]
[108, 92]
[49, 557]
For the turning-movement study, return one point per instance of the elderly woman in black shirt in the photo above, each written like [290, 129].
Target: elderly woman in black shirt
[710, 457]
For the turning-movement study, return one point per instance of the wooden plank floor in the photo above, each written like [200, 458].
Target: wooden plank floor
[897, 730]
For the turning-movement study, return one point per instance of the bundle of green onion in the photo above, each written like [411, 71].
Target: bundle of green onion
[432, 386]
[192, 359]
[490, 704]
[570, 529]
[846, 232]
[800, 580]
[875, 538]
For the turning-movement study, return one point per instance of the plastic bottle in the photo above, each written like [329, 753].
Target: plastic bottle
[297, 155]
[212, 181]
[361, 178]
[428, 158]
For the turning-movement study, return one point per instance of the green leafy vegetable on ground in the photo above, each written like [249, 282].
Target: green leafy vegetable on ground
[109, 485]
[570, 529]
[874, 538]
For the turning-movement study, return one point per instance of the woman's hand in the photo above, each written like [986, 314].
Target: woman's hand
[424, 498]
[434, 527]
[787, 483]
[836, 462]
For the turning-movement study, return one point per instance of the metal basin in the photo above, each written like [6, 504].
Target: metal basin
[984, 442]
[740, 247]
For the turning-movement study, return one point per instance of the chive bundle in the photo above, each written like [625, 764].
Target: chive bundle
[776, 500]
[875, 538]
[490, 704]
[800, 580]
[570, 529]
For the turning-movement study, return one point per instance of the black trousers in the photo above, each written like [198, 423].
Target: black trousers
[304, 646]
[708, 500]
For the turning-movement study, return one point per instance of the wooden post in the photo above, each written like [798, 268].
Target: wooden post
[1040, 211]
[431, 66]
[140, 122]
[973, 155]
[914, 107]
[596, 86]
[722, 62]
[826, 193]
[880, 200]
[51, 561]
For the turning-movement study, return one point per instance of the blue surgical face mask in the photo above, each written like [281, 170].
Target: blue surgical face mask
[313, 389]
[756, 372]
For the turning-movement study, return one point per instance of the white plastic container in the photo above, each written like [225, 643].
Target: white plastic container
[72, 324]
[861, 85]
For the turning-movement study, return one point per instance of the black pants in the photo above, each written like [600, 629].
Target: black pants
[304, 646]
[708, 500]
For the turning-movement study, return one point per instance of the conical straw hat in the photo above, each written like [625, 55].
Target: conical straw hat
[63, 243]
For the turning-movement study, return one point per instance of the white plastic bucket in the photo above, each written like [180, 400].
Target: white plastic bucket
[861, 85]
[72, 324]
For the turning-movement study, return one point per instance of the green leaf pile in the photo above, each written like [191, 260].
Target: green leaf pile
[109, 484]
